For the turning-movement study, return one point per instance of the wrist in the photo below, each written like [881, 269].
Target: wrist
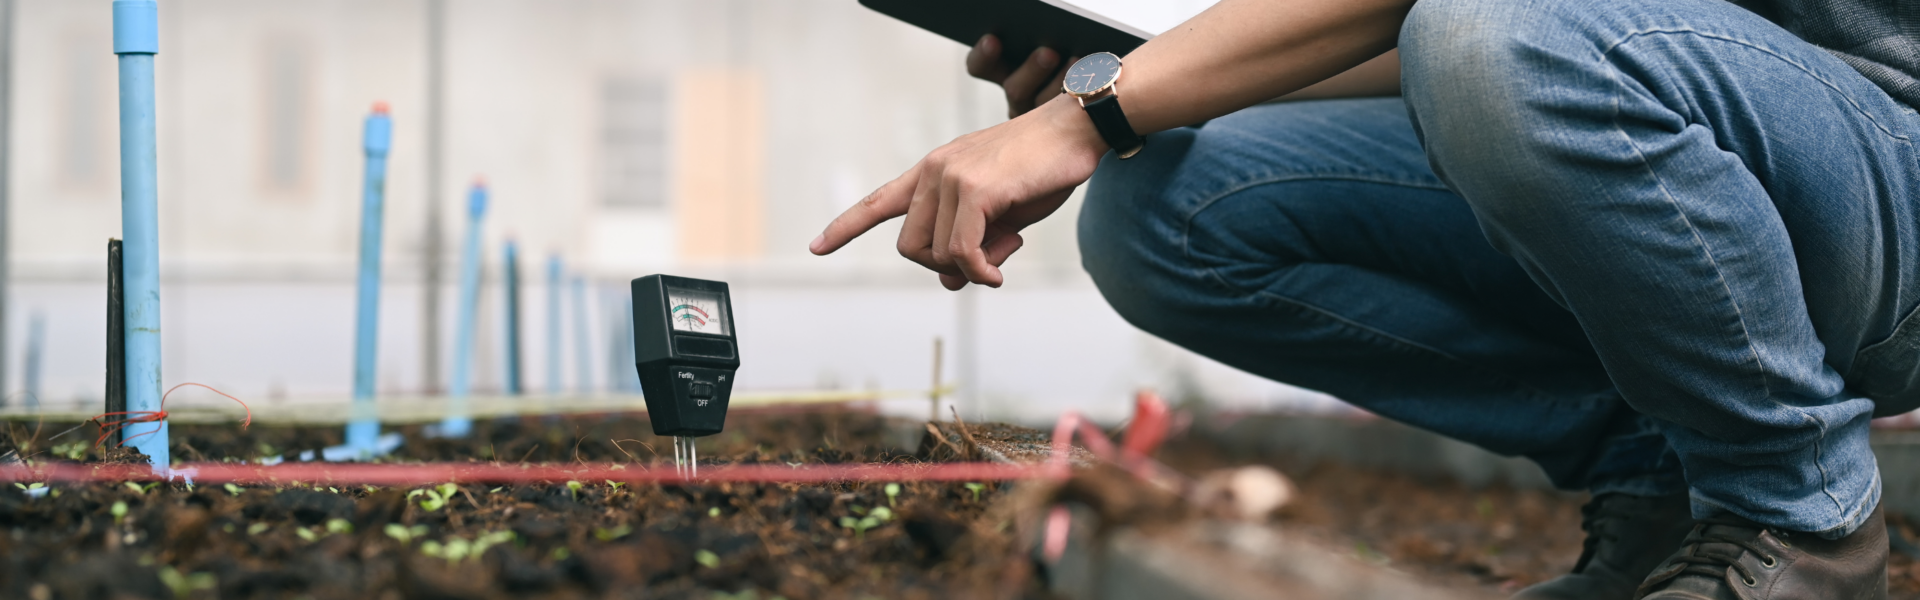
[1064, 115]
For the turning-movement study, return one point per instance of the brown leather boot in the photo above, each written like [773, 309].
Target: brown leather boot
[1627, 536]
[1730, 558]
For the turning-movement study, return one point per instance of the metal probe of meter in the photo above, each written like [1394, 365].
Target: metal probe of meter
[684, 347]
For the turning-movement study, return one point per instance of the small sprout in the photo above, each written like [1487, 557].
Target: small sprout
[706, 559]
[573, 488]
[232, 489]
[458, 548]
[268, 450]
[608, 535]
[975, 488]
[331, 489]
[305, 534]
[490, 539]
[432, 548]
[614, 484]
[858, 509]
[183, 586]
[399, 533]
[893, 491]
[496, 490]
[370, 489]
[119, 511]
[860, 525]
[447, 490]
[882, 513]
[713, 513]
[561, 553]
[335, 526]
[256, 528]
[434, 499]
[227, 528]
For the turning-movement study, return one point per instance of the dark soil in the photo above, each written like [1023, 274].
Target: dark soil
[699, 541]
[728, 541]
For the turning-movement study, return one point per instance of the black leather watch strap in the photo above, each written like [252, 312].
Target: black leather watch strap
[1113, 126]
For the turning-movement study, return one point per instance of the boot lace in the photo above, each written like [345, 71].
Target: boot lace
[1733, 531]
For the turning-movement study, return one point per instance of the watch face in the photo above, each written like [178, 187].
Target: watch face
[1092, 73]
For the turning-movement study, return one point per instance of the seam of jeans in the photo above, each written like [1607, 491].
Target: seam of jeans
[1826, 481]
[1835, 88]
[1186, 248]
[1746, 334]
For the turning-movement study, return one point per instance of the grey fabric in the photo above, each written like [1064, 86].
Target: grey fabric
[1878, 38]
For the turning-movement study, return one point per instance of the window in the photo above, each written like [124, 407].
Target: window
[633, 142]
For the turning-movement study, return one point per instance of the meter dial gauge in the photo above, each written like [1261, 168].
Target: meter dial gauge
[697, 311]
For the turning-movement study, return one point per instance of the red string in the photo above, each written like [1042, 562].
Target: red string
[130, 417]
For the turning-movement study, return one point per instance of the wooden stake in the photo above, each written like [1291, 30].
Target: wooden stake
[934, 395]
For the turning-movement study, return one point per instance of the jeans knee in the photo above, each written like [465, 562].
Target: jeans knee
[1130, 234]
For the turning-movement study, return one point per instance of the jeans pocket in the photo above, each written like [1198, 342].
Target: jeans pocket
[1888, 371]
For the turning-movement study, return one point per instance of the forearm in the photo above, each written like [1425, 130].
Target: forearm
[1377, 77]
[1243, 52]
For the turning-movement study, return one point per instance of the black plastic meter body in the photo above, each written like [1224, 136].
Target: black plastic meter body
[683, 344]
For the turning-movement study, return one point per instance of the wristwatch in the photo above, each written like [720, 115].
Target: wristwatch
[1093, 81]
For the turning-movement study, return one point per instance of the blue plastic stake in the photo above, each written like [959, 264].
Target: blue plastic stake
[510, 277]
[458, 423]
[582, 343]
[554, 384]
[364, 430]
[136, 38]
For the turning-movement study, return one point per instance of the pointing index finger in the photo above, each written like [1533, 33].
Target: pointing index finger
[889, 201]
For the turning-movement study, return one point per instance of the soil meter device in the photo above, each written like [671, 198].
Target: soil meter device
[683, 345]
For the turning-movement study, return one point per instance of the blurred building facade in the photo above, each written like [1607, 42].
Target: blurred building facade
[710, 139]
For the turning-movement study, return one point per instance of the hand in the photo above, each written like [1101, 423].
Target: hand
[1033, 84]
[967, 201]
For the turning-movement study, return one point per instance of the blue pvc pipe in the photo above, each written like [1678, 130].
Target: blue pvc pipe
[458, 423]
[582, 342]
[363, 431]
[554, 384]
[510, 309]
[136, 38]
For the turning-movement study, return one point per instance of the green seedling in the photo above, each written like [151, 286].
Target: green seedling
[74, 450]
[713, 513]
[573, 489]
[706, 559]
[232, 489]
[615, 484]
[268, 450]
[608, 535]
[882, 513]
[227, 528]
[491, 539]
[335, 526]
[305, 534]
[257, 528]
[893, 491]
[183, 586]
[141, 489]
[975, 488]
[496, 490]
[119, 511]
[448, 489]
[434, 499]
[860, 525]
[405, 534]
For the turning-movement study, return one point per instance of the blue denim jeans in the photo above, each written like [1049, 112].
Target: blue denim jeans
[1646, 243]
